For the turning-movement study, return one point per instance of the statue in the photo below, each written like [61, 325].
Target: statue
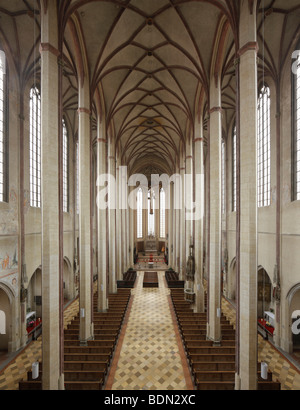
[190, 267]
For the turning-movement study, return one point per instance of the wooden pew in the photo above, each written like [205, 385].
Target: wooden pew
[172, 279]
[128, 281]
[150, 280]
[86, 367]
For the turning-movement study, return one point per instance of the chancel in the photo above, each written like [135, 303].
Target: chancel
[149, 195]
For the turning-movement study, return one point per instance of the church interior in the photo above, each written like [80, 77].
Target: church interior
[149, 195]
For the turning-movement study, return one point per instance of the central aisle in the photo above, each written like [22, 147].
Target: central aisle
[151, 356]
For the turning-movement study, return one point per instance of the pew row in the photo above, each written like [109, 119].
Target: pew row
[86, 365]
[212, 365]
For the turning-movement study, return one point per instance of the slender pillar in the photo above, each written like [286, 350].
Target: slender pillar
[182, 224]
[123, 208]
[127, 233]
[248, 198]
[118, 224]
[199, 231]
[131, 229]
[178, 234]
[188, 197]
[102, 222]
[52, 345]
[214, 288]
[172, 192]
[112, 222]
[85, 261]
[170, 204]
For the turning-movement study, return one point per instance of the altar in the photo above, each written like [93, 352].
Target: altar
[151, 244]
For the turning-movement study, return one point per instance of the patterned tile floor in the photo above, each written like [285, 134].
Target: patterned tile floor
[151, 354]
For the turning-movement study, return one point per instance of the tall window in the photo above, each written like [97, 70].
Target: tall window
[151, 207]
[296, 139]
[263, 132]
[35, 147]
[2, 127]
[223, 176]
[234, 169]
[139, 212]
[65, 168]
[162, 214]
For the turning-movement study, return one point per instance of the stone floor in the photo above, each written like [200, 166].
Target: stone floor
[149, 354]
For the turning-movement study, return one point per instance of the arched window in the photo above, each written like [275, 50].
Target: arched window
[3, 137]
[139, 213]
[151, 207]
[162, 214]
[234, 169]
[65, 168]
[296, 129]
[2, 323]
[35, 147]
[223, 153]
[263, 149]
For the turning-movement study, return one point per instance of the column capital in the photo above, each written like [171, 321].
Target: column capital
[83, 110]
[50, 48]
[216, 109]
[251, 45]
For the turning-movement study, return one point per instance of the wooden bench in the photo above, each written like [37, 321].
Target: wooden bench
[30, 385]
[150, 280]
[83, 385]
[128, 281]
[172, 279]
[216, 385]
[212, 367]
[85, 367]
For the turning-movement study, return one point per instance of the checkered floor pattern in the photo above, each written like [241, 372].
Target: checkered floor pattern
[150, 357]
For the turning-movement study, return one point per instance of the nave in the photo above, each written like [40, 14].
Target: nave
[150, 351]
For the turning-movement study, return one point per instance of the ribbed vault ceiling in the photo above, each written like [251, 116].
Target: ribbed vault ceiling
[151, 61]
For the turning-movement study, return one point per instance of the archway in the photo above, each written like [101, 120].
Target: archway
[34, 298]
[5, 320]
[265, 304]
[294, 314]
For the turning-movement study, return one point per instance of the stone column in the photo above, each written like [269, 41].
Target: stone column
[172, 192]
[188, 199]
[118, 224]
[128, 245]
[248, 198]
[112, 222]
[215, 139]
[102, 223]
[123, 208]
[169, 204]
[52, 345]
[199, 231]
[132, 215]
[178, 233]
[182, 224]
[85, 257]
